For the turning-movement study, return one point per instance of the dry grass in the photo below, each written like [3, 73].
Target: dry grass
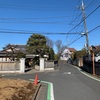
[11, 89]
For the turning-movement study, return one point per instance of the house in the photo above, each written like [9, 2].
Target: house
[66, 54]
[9, 53]
[72, 50]
[97, 48]
[15, 48]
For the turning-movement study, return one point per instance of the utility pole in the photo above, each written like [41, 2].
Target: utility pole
[85, 28]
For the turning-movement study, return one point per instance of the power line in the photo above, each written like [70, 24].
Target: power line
[75, 40]
[93, 11]
[31, 32]
[85, 18]
[82, 21]
[11, 31]
[28, 20]
[31, 8]
[56, 17]
[23, 32]
[91, 4]
[81, 14]
[74, 21]
[94, 29]
[33, 22]
[84, 35]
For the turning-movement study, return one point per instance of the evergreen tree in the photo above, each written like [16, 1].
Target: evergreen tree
[79, 54]
[36, 44]
[51, 54]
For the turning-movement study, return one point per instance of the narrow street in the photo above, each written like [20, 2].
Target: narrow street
[68, 82]
[73, 85]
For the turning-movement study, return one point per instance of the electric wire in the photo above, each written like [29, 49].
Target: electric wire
[75, 21]
[33, 22]
[84, 35]
[81, 22]
[62, 22]
[85, 18]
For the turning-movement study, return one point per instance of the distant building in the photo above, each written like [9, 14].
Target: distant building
[66, 54]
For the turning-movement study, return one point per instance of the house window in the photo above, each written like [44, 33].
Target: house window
[66, 55]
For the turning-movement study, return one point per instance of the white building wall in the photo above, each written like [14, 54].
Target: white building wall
[66, 54]
[4, 59]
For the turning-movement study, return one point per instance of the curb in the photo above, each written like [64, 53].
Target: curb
[87, 74]
[50, 91]
[36, 93]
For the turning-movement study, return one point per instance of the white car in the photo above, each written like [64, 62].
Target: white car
[97, 57]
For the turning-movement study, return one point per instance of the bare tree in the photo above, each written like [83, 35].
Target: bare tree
[63, 47]
[60, 47]
[58, 44]
[49, 42]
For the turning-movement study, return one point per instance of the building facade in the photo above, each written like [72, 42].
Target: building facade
[10, 52]
[66, 54]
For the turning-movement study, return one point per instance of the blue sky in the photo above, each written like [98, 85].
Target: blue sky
[48, 16]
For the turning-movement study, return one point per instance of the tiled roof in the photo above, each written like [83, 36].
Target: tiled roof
[97, 48]
[16, 48]
[72, 49]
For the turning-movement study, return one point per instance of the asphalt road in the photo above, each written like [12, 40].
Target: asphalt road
[68, 82]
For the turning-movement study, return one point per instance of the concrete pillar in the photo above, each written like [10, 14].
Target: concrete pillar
[22, 65]
[41, 64]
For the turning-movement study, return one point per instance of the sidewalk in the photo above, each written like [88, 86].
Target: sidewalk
[42, 93]
[43, 90]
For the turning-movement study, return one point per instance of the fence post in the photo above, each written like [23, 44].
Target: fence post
[22, 65]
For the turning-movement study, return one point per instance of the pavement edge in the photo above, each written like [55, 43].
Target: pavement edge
[36, 93]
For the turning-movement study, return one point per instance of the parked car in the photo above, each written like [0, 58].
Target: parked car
[97, 57]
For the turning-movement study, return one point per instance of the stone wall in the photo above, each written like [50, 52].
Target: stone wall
[9, 66]
[12, 66]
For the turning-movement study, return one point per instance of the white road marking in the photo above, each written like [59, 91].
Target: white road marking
[67, 73]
